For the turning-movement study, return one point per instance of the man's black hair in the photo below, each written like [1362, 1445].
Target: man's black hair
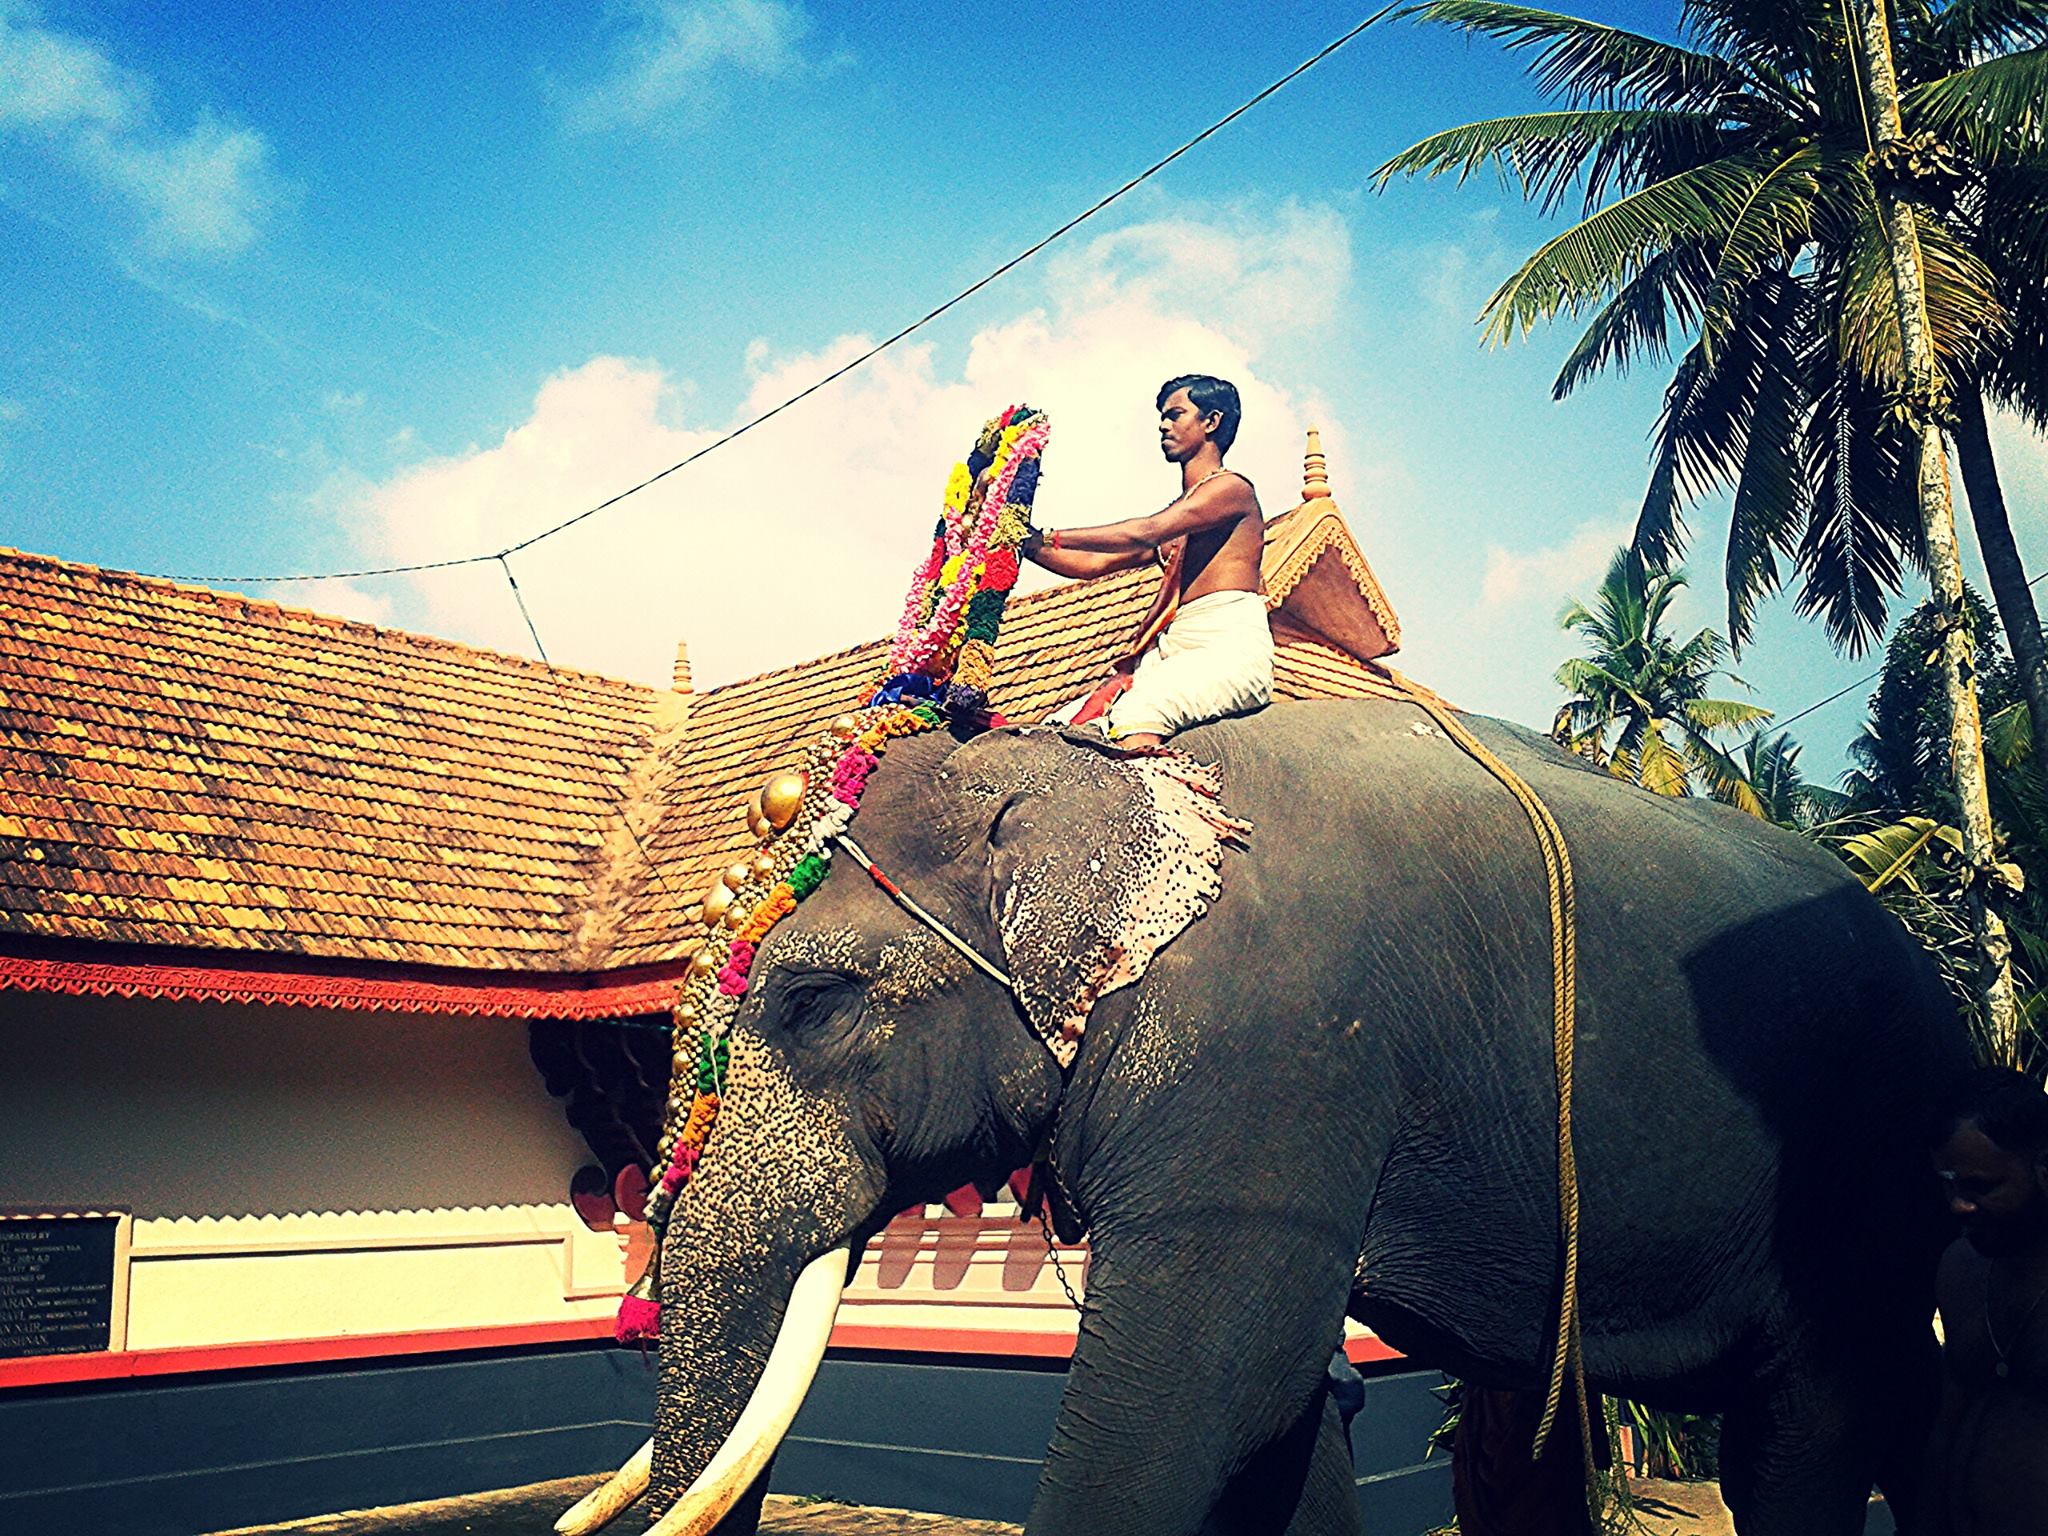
[2004, 1104]
[1210, 396]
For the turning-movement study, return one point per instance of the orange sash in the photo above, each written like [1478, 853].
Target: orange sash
[1164, 606]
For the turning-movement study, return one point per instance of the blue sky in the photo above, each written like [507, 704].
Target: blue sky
[314, 287]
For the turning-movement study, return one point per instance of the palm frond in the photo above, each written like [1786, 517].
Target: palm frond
[1660, 768]
[2009, 735]
[1778, 45]
[1968, 30]
[1601, 252]
[1723, 775]
[2013, 237]
[1724, 714]
[1702, 436]
[1888, 853]
[1769, 228]
[1770, 488]
[1584, 61]
[1964, 315]
[1548, 153]
[1999, 107]
[1634, 322]
[1862, 523]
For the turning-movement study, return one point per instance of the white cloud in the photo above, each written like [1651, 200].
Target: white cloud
[1245, 270]
[344, 402]
[201, 192]
[798, 538]
[340, 598]
[676, 58]
[1556, 573]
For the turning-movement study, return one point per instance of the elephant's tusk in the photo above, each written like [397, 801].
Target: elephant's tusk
[792, 1363]
[601, 1506]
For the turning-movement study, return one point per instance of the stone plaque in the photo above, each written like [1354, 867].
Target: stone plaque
[57, 1284]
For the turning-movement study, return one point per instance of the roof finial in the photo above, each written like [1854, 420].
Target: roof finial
[1315, 474]
[679, 679]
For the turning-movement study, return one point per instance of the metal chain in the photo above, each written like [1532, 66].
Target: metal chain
[1052, 1252]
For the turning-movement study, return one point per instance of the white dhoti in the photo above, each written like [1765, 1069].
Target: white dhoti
[1214, 659]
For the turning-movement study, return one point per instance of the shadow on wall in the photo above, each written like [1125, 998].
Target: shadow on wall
[200, 1109]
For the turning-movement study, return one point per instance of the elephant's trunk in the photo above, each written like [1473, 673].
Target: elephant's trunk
[785, 1380]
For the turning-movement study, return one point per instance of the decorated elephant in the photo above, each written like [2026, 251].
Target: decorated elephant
[1300, 1067]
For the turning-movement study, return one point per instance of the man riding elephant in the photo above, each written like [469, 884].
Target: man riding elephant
[1204, 649]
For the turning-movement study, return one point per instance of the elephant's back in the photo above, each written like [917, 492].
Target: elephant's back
[1685, 907]
[1750, 1022]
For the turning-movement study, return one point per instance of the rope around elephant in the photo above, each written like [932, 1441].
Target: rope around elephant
[1569, 1357]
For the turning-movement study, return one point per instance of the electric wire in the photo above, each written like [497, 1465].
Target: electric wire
[837, 373]
[1842, 693]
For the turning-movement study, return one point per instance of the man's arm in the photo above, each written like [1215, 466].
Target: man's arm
[1070, 562]
[1135, 540]
[1223, 500]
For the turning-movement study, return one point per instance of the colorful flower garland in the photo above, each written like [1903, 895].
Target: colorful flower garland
[939, 669]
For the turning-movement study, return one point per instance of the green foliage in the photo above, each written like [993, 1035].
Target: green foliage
[1638, 703]
[1770, 762]
[1682, 1446]
[1896, 825]
[1729, 212]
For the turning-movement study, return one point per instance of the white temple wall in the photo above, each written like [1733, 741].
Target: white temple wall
[301, 1173]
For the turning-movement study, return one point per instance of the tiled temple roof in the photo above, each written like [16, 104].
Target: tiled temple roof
[193, 769]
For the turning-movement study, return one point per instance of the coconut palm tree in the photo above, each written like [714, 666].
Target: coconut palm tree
[1770, 765]
[1638, 702]
[1731, 210]
[1757, 189]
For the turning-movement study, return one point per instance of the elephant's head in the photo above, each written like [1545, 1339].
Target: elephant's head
[874, 1067]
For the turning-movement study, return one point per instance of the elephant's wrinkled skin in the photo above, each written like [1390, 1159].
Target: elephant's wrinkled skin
[1334, 1093]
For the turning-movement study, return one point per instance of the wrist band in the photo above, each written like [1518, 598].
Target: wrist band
[1055, 538]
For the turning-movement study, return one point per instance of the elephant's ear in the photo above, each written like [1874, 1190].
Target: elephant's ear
[1097, 871]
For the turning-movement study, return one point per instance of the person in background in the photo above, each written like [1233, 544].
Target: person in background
[1987, 1463]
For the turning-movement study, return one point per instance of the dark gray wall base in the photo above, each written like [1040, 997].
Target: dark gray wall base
[178, 1456]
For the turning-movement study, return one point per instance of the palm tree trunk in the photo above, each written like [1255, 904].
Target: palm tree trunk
[1938, 528]
[2009, 587]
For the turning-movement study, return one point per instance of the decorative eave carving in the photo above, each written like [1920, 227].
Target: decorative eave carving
[1317, 578]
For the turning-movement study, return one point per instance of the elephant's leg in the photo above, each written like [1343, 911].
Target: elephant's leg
[1196, 1355]
[1799, 1456]
[1300, 1485]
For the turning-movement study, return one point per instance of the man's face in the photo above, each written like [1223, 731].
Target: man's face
[1182, 428]
[1999, 1197]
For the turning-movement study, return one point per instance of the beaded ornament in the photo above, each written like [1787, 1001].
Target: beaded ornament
[938, 672]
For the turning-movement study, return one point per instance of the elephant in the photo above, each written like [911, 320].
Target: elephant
[1327, 1089]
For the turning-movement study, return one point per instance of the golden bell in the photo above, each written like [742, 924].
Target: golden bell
[782, 797]
[736, 916]
[702, 964]
[764, 864]
[717, 902]
[845, 725]
[761, 827]
[686, 1016]
[737, 875]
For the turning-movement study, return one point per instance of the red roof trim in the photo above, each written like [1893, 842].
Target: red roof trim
[391, 989]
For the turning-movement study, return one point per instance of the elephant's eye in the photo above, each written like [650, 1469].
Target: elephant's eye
[817, 1002]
